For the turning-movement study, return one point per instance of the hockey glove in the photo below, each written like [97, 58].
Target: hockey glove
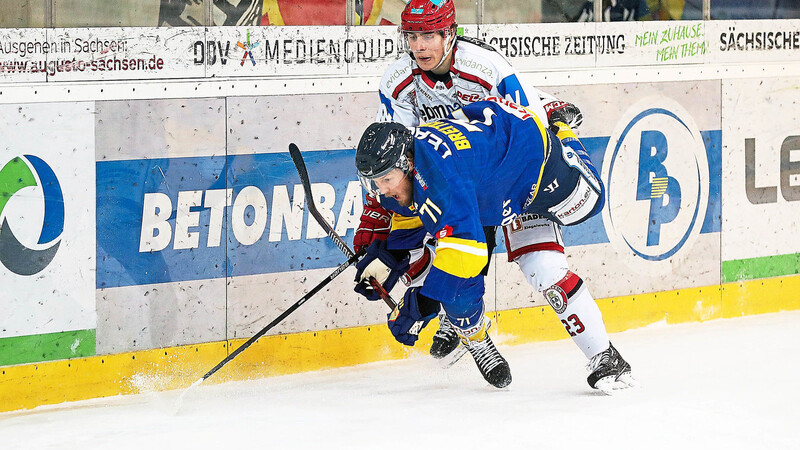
[558, 111]
[411, 315]
[381, 264]
[376, 222]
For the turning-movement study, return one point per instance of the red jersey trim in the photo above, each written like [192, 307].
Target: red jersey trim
[535, 248]
[404, 84]
[472, 78]
[421, 73]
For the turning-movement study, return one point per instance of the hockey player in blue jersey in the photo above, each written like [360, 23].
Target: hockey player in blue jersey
[489, 163]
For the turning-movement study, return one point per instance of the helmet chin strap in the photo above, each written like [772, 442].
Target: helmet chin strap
[448, 49]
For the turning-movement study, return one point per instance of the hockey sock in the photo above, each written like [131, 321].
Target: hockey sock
[578, 312]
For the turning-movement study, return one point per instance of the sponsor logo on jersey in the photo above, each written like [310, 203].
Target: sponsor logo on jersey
[510, 107]
[444, 232]
[433, 112]
[531, 196]
[516, 225]
[576, 206]
[31, 215]
[508, 213]
[529, 222]
[469, 63]
[468, 97]
[657, 177]
[420, 180]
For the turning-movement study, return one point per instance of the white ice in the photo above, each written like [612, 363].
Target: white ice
[716, 385]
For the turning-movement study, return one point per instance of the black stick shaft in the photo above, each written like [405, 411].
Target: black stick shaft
[300, 164]
[353, 259]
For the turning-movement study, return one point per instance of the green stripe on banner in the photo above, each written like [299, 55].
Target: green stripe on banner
[765, 267]
[47, 347]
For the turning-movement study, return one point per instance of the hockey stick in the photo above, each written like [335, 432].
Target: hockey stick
[300, 165]
[353, 259]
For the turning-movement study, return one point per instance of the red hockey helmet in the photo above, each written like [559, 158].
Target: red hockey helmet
[427, 15]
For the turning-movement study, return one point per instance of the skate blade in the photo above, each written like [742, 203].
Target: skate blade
[453, 357]
[611, 386]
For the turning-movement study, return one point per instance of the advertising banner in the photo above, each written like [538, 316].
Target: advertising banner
[542, 47]
[314, 50]
[202, 229]
[47, 210]
[23, 54]
[83, 54]
[753, 41]
[761, 172]
[91, 54]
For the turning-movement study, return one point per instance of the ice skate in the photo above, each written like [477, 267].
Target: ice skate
[445, 340]
[609, 372]
[491, 363]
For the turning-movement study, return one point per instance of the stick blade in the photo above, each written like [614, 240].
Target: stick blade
[176, 407]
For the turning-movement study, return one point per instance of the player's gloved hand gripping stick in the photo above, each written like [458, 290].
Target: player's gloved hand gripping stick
[300, 165]
[406, 320]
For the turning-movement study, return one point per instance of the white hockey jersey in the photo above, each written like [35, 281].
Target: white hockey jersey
[412, 96]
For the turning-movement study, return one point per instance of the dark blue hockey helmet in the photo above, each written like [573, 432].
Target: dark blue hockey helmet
[383, 147]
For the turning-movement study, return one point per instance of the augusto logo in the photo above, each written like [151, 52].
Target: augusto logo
[32, 206]
[657, 180]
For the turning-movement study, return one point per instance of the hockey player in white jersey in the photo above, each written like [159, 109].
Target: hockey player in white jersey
[440, 73]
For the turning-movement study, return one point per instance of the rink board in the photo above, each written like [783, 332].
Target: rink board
[183, 228]
[28, 386]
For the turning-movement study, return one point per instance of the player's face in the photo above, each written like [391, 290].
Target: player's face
[396, 185]
[428, 49]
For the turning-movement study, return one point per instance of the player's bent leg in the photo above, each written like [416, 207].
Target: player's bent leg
[472, 328]
[567, 294]
[445, 340]
[492, 365]
[547, 272]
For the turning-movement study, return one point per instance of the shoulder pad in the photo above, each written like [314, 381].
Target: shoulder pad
[477, 42]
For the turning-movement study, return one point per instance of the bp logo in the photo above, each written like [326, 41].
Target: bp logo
[656, 173]
[31, 215]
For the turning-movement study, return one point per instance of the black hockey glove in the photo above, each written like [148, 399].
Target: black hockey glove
[558, 111]
[411, 315]
[381, 264]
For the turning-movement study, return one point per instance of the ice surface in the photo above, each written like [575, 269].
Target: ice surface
[715, 385]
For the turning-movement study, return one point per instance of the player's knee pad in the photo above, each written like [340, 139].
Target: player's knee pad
[543, 269]
[530, 233]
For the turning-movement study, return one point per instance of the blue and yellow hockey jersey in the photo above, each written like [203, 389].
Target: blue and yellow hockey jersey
[481, 167]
